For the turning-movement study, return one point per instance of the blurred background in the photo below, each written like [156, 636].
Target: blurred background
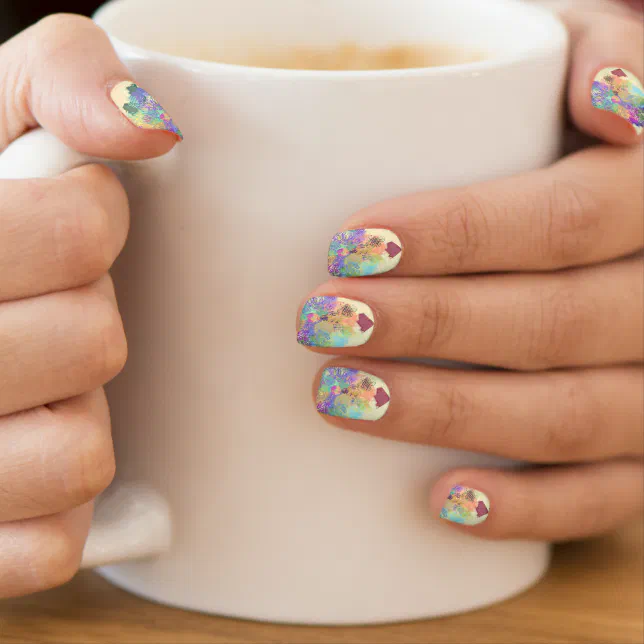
[16, 15]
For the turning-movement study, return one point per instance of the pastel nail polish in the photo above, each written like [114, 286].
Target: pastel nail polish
[619, 91]
[335, 322]
[349, 393]
[142, 109]
[364, 251]
[465, 505]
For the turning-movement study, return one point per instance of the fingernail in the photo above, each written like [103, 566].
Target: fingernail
[465, 505]
[619, 91]
[349, 393]
[365, 251]
[142, 109]
[335, 322]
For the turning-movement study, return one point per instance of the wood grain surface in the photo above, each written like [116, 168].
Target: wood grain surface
[592, 593]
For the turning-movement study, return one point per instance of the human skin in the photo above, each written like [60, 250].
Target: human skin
[563, 316]
[539, 275]
[61, 336]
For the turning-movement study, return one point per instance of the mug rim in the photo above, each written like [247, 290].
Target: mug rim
[559, 41]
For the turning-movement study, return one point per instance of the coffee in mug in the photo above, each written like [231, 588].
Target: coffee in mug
[346, 56]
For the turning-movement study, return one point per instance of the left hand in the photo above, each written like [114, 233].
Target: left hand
[558, 305]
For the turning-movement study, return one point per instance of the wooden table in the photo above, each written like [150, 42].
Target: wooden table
[593, 593]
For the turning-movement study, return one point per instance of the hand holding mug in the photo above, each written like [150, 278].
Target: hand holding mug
[531, 274]
[61, 335]
[539, 275]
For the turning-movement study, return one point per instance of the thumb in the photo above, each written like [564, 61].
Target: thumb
[62, 74]
[606, 94]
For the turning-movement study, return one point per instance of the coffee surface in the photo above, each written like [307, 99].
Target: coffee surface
[342, 57]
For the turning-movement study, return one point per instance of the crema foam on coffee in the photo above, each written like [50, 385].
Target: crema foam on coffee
[341, 57]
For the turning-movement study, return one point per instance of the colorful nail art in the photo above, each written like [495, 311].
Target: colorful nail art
[354, 394]
[621, 92]
[465, 505]
[370, 251]
[141, 109]
[335, 322]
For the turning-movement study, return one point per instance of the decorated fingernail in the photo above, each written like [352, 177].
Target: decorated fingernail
[335, 322]
[365, 251]
[465, 505]
[619, 91]
[349, 393]
[142, 109]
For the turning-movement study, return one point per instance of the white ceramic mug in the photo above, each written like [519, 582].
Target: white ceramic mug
[250, 503]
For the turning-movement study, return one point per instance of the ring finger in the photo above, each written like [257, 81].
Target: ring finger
[555, 416]
[55, 458]
[59, 345]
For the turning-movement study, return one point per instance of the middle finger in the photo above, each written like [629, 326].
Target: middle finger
[584, 316]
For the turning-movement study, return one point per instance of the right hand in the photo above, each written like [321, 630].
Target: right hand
[61, 336]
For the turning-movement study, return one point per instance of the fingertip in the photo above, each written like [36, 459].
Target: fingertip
[138, 145]
[141, 109]
[356, 397]
[461, 498]
[610, 128]
[115, 138]
[606, 93]
[72, 83]
[617, 102]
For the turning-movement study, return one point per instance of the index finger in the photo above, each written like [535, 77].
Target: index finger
[570, 214]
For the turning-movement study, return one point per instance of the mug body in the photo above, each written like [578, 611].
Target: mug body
[278, 516]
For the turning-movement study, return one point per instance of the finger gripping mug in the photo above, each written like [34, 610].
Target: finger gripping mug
[247, 503]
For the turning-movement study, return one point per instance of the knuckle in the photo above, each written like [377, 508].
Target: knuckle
[56, 560]
[63, 42]
[451, 417]
[461, 229]
[107, 349]
[574, 428]
[82, 238]
[562, 318]
[587, 519]
[60, 29]
[571, 225]
[97, 466]
[77, 463]
[439, 315]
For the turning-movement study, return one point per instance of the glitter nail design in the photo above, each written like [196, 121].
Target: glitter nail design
[354, 394]
[465, 505]
[141, 109]
[371, 251]
[621, 92]
[335, 322]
